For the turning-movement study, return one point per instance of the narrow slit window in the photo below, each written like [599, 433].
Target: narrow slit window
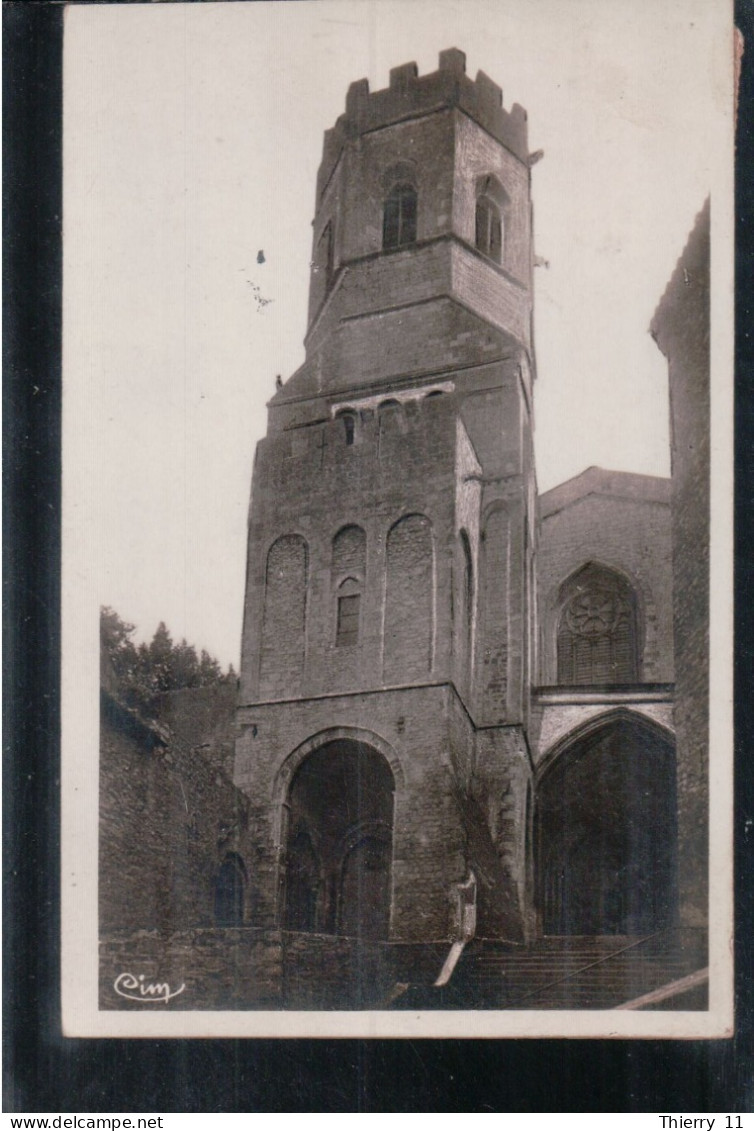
[329, 255]
[489, 229]
[325, 256]
[348, 620]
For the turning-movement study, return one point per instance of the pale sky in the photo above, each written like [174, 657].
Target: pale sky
[193, 134]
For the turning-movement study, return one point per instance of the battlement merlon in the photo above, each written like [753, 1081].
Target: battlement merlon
[410, 95]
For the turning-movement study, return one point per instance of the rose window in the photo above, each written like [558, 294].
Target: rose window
[595, 613]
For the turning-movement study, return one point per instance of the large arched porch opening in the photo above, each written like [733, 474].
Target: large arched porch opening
[338, 842]
[605, 832]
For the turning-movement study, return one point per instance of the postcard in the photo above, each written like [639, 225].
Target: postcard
[397, 471]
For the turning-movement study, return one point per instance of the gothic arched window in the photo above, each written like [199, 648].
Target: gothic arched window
[489, 229]
[399, 217]
[597, 629]
[492, 204]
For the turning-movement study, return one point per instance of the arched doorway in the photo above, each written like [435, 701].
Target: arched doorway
[339, 842]
[605, 833]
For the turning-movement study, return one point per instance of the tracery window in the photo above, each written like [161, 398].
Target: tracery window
[597, 631]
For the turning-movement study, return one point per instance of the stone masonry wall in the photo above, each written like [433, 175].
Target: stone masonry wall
[409, 601]
[502, 778]
[229, 968]
[286, 583]
[168, 815]
[250, 969]
[623, 522]
[681, 327]
[396, 467]
[411, 728]
[202, 717]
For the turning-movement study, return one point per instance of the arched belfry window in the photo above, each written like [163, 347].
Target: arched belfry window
[597, 629]
[491, 203]
[489, 229]
[399, 217]
[348, 423]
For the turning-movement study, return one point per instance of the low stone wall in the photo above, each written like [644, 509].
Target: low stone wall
[220, 968]
[328, 972]
[241, 968]
[168, 817]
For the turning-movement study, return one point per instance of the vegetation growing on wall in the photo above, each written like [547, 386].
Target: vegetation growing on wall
[142, 671]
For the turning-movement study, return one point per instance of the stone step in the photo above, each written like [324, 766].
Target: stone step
[562, 973]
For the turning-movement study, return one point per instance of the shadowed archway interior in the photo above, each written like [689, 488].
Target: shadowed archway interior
[606, 834]
[339, 842]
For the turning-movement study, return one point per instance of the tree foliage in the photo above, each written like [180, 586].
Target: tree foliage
[145, 670]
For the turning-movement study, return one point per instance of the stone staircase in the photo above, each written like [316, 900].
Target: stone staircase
[574, 972]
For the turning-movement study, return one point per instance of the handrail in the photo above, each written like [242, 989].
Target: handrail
[465, 927]
[670, 989]
[450, 963]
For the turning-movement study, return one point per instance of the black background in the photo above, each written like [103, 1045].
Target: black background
[46, 1072]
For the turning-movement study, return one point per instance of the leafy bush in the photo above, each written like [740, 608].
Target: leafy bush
[145, 670]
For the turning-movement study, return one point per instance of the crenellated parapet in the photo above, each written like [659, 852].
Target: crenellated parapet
[411, 95]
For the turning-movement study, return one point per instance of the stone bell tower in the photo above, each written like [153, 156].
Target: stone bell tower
[386, 646]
